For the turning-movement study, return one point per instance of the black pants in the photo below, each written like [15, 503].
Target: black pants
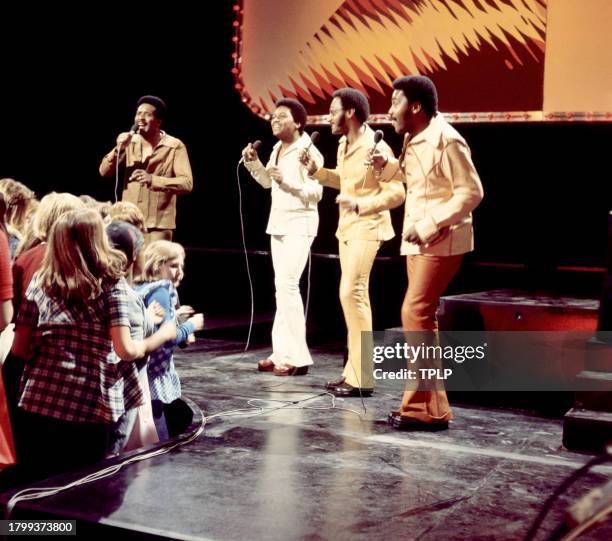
[48, 446]
[171, 419]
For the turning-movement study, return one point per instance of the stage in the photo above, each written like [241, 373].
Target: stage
[284, 464]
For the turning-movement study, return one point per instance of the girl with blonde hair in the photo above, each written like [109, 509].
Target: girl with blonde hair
[20, 203]
[163, 271]
[30, 254]
[73, 331]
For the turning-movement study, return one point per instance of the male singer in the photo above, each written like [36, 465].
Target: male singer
[443, 190]
[292, 227]
[155, 168]
[363, 225]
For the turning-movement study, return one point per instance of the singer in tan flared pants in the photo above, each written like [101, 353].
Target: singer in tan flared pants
[443, 188]
[363, 225]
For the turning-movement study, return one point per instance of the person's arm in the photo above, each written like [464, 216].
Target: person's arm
[6, 313]
[259, 172]
[392, 194]
[125, 347]
[182, 180]
[457, 166]
[109, 162]
[6, 283]
[164, 334]
[253, 165]
[22, 342]
[129, 349]
[108, 166]
[162, 296]
[27, 321]
[327, 177]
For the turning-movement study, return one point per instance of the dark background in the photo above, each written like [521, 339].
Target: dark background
[70, 82]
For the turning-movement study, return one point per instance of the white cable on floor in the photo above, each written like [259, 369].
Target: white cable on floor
[253, 409]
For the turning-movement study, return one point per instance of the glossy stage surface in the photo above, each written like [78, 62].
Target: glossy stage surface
[284, 464]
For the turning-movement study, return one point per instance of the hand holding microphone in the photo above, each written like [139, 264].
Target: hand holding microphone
[124, 139]
[249, 153]
[306, 159]
[375, 158]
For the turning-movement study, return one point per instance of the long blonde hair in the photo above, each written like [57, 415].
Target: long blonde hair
[79, 261]
[128, 212]
[19, 202]
[51, 207]
[157, 254]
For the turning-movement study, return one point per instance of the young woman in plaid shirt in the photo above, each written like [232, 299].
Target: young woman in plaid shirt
[74, 332]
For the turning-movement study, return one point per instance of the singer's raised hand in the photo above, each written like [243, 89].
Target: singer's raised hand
[308, 162]
[276, 174]
[123, 139]
[249, 154]
[376, 158]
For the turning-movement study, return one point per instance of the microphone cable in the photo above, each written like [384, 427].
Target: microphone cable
[133, 131]
[246, 258]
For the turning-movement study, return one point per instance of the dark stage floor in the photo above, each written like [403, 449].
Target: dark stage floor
[286, 466]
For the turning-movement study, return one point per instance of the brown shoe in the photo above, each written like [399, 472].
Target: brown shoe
[290, 370]
[266, 365]
[333, 384]
[344, 389]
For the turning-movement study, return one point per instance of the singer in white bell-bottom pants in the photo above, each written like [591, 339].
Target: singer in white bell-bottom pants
[289, 258]
[292, 227]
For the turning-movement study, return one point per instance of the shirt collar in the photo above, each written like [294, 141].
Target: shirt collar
[302, 141]
[365, 138]
[165, 140]
[432, 133]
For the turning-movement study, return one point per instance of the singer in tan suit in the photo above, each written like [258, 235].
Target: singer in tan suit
[155, 168]
[363, 225]
[443, 188]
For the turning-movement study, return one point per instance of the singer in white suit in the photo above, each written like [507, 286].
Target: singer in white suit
[292, 227]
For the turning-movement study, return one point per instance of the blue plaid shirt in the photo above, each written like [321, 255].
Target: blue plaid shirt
[163, 380]
[74, 373]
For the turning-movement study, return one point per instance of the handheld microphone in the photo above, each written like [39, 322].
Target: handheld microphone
[378, 135]
[255, 146]
[133, 131]
[314, 139]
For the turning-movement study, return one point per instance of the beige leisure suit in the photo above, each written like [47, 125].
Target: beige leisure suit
[360, 235]
[443, 188]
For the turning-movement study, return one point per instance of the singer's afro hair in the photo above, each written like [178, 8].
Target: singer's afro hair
[298, 112]
[158, 103]
[353, 99]
[420, 89]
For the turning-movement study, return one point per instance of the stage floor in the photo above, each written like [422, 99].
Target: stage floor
[294, 470]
